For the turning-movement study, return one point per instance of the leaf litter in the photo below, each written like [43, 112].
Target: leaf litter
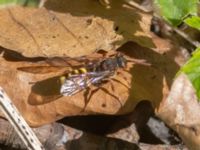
[38, 33]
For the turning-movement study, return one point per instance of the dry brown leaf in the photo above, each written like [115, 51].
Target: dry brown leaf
[145, 82]
[181, 111]
[73, 28]
[18, 85]
[154, 81]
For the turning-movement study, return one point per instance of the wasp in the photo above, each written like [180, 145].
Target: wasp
[91, 72]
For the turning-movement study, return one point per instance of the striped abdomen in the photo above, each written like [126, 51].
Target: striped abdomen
[78, 71]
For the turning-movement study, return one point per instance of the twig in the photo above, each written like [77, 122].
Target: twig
[17, 121]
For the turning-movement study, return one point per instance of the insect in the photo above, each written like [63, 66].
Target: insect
[95, 71]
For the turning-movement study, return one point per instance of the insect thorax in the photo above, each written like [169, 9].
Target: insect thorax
[112, 63]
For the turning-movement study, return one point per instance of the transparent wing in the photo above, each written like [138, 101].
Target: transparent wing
[78, 83]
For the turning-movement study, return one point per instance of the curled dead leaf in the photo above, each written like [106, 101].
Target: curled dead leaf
[181, 111]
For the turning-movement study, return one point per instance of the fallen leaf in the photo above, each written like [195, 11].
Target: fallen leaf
[181, 111]
[73, 28]
[22, 86]
[143, 82]
[75, 31]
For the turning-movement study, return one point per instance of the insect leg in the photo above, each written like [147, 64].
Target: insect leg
[112, 79]
[105, 90]
[86, 99]
[122, 75]
[138, 61]
[88, 95]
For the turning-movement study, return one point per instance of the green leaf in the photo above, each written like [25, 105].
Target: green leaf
[192, 70]
[194, 22]
[174, 11]
[6, 3]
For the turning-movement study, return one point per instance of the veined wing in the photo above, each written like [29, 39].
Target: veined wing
[77, 83]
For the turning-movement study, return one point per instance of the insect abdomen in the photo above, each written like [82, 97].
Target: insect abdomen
[73, 72]
[77, 72]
